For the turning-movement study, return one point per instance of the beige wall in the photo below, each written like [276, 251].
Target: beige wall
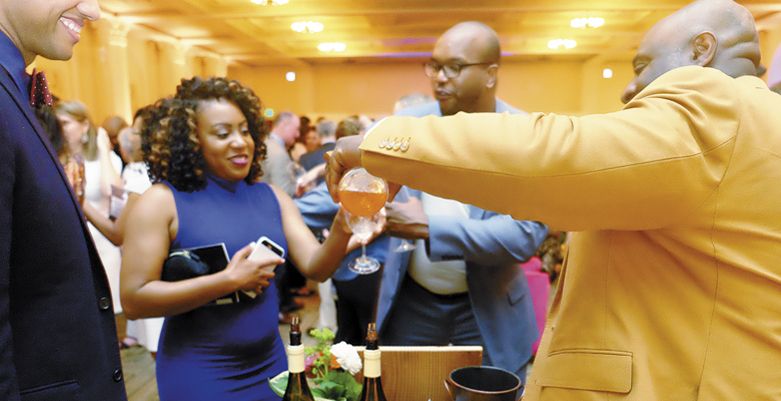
[541, 86]
[334, 89]
[372, 89]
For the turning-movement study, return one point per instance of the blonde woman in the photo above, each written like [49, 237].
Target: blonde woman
[101, 170]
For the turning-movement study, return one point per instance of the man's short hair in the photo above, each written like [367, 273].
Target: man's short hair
[348, 127]
[326, 128]
[282, 117]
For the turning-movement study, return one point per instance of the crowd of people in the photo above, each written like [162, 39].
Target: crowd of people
[671, 274]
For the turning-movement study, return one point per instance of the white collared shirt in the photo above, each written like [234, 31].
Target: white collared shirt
[444, 278]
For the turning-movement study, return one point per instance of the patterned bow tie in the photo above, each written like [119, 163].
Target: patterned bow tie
[39, 90]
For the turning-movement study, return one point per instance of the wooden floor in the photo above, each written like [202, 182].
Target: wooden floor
[139, 367]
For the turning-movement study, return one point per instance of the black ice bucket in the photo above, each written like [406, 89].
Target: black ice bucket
[483, 383]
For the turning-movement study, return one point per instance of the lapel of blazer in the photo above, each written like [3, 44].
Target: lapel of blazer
[10, 87]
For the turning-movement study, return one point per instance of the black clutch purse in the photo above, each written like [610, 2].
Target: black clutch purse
[183, 265]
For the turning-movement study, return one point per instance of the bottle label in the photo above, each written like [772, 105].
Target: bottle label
[371, 363]
[295, 358]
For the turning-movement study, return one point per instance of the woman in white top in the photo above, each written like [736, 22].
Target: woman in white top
[101, 171]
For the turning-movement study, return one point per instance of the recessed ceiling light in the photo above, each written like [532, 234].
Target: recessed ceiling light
[307, 26]
[332, 47]
[587, 22]
[290, 76]
[557, 44]
[607, 73]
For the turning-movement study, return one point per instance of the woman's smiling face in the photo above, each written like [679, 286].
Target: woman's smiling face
[226, 143]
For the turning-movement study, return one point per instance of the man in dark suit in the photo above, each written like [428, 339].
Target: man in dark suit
[57, 334]
[461, 284]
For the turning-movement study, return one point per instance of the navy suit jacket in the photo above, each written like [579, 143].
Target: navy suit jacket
[57, 333]
[492, 245]
[315, 157]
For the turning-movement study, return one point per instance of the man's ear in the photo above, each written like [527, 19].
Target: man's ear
[492, 71]
[705, 46]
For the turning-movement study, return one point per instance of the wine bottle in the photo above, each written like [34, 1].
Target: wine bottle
[372, 383]
[297, 387]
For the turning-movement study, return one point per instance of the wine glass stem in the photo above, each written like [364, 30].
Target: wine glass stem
[363, 250]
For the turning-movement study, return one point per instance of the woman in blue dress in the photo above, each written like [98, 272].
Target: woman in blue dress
[205, 160]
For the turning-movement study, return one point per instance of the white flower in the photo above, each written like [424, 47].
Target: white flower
[347, 357]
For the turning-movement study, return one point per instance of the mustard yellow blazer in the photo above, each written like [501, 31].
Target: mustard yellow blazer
[672, 288]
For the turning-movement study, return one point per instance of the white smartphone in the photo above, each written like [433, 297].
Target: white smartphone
[264, 247]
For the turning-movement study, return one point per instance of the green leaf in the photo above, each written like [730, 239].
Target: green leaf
[323, 335]
[278, 383]
[317, 392]
[332, 390]
[351, 390]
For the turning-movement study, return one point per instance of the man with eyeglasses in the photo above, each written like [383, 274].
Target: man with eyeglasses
[461, 284]
[463, 72]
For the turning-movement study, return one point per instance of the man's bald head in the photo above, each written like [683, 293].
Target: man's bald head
[475, 38]
[711, 33]
[472, 50]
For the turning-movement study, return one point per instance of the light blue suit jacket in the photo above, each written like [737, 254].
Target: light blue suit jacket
[492, 246]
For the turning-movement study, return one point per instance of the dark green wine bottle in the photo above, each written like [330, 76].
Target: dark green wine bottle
[297, 387]
[372, 382]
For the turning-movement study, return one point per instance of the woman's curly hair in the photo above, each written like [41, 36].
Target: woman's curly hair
[174, 153]
[151, 116]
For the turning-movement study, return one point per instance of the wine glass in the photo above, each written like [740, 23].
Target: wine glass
[362, 196]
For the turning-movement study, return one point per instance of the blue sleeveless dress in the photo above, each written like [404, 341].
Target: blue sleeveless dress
[224, 352]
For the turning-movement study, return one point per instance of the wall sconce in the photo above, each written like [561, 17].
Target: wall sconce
[290, 76]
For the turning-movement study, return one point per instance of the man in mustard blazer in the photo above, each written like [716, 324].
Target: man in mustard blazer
[672, 288]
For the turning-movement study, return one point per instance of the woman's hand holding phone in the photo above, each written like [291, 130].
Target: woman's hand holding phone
[252, 274]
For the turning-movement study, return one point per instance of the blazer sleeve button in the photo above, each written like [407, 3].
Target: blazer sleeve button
[117, 375]
[104, 303]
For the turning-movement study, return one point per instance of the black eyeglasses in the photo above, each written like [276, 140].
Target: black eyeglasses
[432, 68]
